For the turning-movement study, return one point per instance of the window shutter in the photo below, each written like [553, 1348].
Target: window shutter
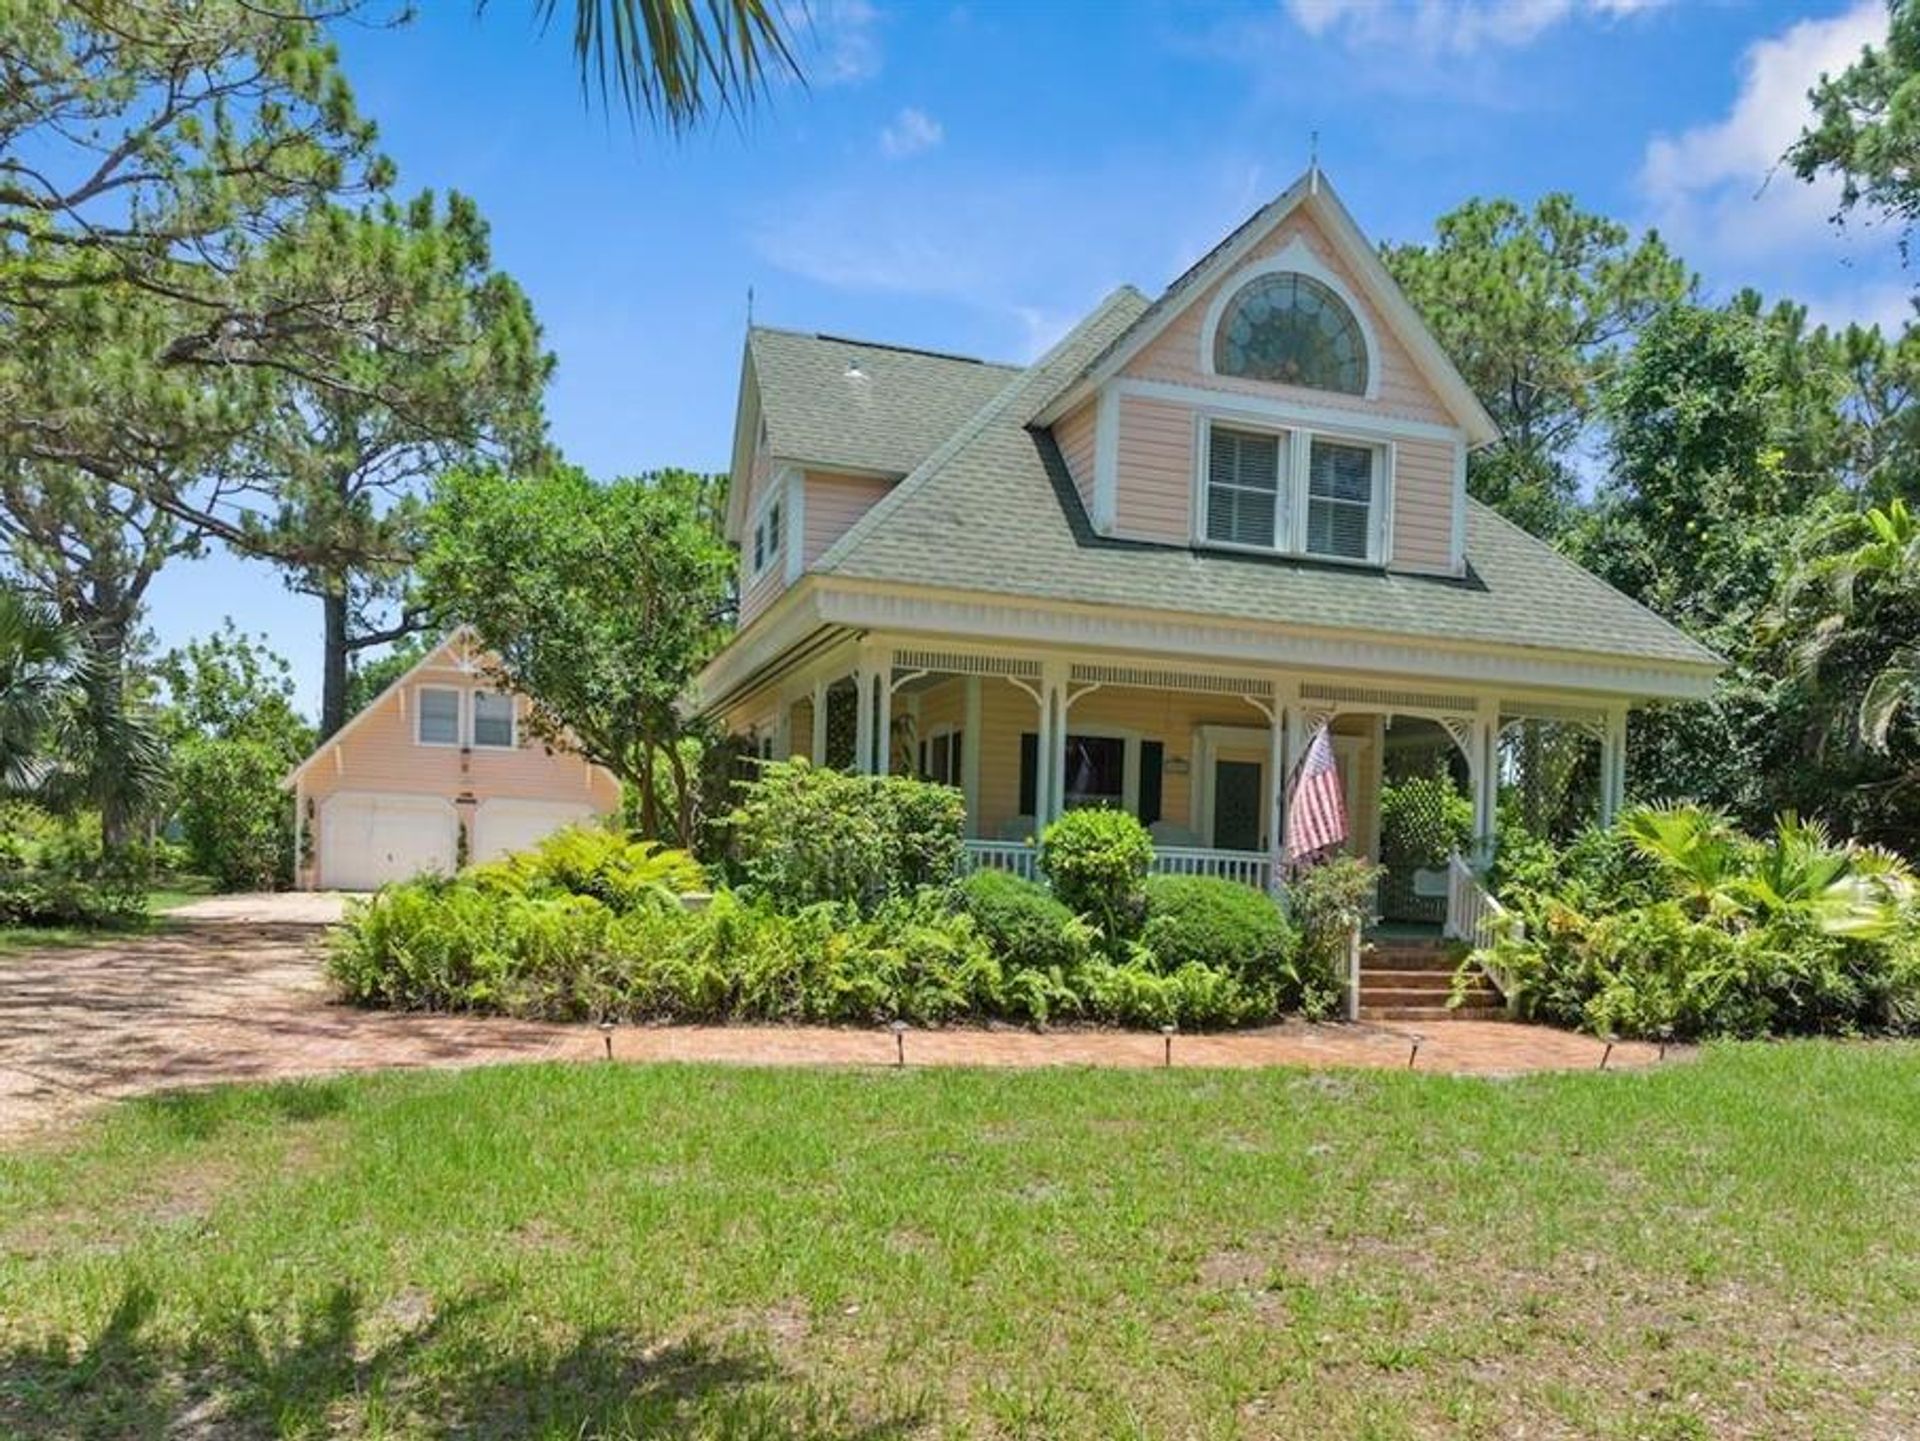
[1153, 756]
[1029, 773]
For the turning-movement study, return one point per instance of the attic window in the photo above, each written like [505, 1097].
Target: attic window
[1291, 329]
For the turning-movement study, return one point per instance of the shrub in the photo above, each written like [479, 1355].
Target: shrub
[1675, 922]
[804, 835]
[235, 819]
[1024, 923]
[1217, 923]
[1327, 900]
[1096, 861]
[54, 872]
[619, 871]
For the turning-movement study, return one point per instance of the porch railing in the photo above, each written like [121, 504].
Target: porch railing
[1474, 916]
[1249, 868]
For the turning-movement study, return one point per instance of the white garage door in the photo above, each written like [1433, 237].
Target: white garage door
[368, 839]
[501, 825]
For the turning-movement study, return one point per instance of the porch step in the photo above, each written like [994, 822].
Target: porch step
[1402, 980]
[1483, 1011]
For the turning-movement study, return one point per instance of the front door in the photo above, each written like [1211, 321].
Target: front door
[1238, 799]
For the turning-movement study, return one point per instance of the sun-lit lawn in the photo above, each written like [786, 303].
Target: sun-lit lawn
[1722, 1247]
[178, 892]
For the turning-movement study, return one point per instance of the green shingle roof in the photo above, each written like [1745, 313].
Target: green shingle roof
[992, 509]
[886, 416]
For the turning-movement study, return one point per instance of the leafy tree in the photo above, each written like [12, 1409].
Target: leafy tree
[600, 602]
[1536, 308]
[370, 677]
[1866, 124]
[231, 686]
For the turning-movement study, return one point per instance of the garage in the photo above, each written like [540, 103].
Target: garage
[370, 838]
[502, 824]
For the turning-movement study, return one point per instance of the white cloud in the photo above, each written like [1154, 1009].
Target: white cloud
[911, 132]
[839, 41]
[1721, 187]
[1451, 27]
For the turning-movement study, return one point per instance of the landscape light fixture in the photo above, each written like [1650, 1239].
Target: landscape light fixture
[1413, 1053]
[1167, 1033]
[899, 1029]
[606, 1035]
[1605, 1055]
[1665, 1033]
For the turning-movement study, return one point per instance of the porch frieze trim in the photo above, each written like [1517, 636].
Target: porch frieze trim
[1229, 645]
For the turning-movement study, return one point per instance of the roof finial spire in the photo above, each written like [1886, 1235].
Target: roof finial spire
[749, 307]
[1313, 160]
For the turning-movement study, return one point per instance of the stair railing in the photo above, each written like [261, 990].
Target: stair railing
[1475, 917]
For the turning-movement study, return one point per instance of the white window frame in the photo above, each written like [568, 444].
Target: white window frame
[1290, 508]
[473, 720]
[420, 716]
[763, 552]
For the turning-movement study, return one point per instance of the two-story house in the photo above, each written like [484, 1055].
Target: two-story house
[1144, 570]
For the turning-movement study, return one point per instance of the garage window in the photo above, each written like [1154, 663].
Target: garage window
[439, 723]
[492, 719]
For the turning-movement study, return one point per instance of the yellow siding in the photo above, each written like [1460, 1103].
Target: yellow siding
[1174, 355]
[379, 753]
[1074, 434]
[833, 504]
[1423, 504]
[1155, 481]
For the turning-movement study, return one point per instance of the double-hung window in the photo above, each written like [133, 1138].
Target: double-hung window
[1294, 491]
[769, 534]
[1245, 472]
[940, 755]
[439, 716]
[492, 719]
[1340, 504]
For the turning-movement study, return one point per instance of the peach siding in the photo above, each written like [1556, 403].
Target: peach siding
[833, 504]
[1155, 482]
[1074, 434]
[379, 753]
[1423, 504]
[1174, 354]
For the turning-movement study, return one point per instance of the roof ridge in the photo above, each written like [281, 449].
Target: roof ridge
[850, 539]
[833, 339]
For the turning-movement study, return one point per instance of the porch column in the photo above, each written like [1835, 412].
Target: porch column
[1484, 770]
[818, 753]
[1276, 789]
[970, 741]
[1613, 765]
[873, 689]
[1053, 685]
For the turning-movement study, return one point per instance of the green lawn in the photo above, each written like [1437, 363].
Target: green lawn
[1730, 1246]
[178, 893]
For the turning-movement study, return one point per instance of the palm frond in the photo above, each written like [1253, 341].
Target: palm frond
[1895, 687]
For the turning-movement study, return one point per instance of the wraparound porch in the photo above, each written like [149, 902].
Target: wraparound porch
[1198, 752]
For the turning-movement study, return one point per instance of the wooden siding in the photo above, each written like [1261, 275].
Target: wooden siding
[1423, 502]
[1074, 434]
[833, 504]
[756, 594]
[379, 753]
[1174, 355]
[1155, 489]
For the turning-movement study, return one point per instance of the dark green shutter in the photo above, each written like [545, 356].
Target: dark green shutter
[1152, 761]
[1029, 773]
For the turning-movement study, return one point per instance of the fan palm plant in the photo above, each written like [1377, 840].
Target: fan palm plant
[679, 60]
[43, 672]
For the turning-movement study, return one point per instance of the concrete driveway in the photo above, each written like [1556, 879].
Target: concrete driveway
[269, 908]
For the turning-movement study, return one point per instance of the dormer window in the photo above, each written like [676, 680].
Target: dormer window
[1292, 489]
[1291, 329]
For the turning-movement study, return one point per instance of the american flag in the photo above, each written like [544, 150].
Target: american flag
[1316, 809]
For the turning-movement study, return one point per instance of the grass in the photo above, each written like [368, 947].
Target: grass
[179, 891]
[1715, 1248]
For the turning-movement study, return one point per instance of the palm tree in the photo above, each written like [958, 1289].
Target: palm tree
[678, 60]
[67, 737]
[1863, 560]
[43, 670]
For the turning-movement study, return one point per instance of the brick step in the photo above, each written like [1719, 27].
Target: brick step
[1382, 958]
[1471, 1011]
[1418, 996]
[1371, 976]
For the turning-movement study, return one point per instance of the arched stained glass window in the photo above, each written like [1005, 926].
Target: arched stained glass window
[1291, 329]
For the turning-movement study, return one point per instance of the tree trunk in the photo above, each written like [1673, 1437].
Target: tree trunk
[333, 662]
[106, 700]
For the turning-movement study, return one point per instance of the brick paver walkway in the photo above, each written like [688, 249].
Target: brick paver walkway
[243, 999]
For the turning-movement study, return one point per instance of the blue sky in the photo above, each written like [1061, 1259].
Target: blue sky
[974, 176]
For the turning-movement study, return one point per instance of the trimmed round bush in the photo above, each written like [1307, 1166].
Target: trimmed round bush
[1026, 926]
[1207, 921]
[1096, 862]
